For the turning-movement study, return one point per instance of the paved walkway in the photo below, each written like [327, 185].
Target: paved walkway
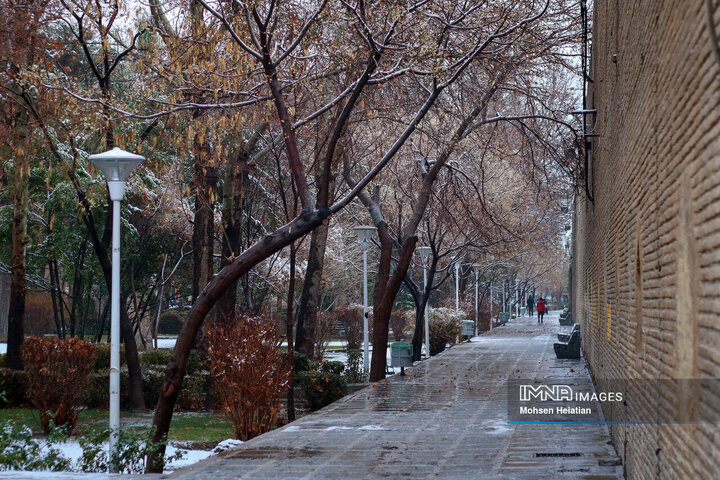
[446, 419]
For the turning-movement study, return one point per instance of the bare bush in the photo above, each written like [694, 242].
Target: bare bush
[251, 373]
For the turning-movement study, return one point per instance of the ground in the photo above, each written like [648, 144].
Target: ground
[448, 418]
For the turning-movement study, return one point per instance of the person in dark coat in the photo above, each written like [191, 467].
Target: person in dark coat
[531, 305]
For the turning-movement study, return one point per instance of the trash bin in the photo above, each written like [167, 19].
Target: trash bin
[401, 354]
[468, 328]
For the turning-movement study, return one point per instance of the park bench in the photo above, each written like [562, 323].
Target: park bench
[569, 349]
[565, 335]
[566, 318]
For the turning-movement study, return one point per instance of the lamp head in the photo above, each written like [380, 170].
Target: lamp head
[365, 234]
[116, 164]
[424, 252]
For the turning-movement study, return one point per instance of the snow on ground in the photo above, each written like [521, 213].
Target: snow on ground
[71, 450]
[3, 348]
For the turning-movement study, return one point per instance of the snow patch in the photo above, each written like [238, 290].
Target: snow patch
[226, 445]
[371, 427]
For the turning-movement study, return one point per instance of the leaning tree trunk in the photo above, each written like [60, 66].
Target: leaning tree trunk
[177, 365]
[310, 296]
[16, 313]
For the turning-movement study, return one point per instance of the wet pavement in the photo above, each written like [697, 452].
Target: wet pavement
[448, 419]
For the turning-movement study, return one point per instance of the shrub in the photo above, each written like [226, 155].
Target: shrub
[398, 324]
[13, 388]
[102, 357]
[133, 447]
[20, 451]
[153, 358]
[302, 363]
[444, 329]
[251, 373]
[170, 323]
[353, 369]
[323, 386]
[57, 377]
[324, 329]
[352, 322]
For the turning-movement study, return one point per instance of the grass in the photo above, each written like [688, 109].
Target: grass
[204, 427]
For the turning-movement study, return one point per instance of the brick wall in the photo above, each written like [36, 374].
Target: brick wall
[646, 273]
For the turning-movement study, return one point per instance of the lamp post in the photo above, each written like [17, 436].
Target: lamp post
[517, 299]
[491, 306]
[116, 165]
[457, 284]
[424, 252]
[476, 267]
[364, 236]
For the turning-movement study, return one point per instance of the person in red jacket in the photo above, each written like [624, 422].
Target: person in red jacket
[540, 309]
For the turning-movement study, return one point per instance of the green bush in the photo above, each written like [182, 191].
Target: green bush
[159, 359]
[303, 363]
[20, 451]
[444, 330]
[13, 388]
[154, 358]
[170, 323]
[2, 360]
[323, 386]
[197, 362]
[133, 447]
[102, 357]
[353, 369]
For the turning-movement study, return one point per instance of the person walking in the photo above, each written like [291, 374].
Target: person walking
[540, 309]
[531, 305]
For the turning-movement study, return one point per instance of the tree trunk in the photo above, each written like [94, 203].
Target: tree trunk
[16, 313]
[310, 297]
[233, 204]
[204, 222]
[175, 371]
[383, 310]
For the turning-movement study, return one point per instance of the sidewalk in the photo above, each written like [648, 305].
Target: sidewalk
[446, 419]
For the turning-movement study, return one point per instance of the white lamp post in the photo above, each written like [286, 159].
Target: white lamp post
[476, 267]
[491, 306]
[457, 284]
[116, 165]
[424, 252]
[364, 236]
[517, 299]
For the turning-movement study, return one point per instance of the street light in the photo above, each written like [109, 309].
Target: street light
[424, 252]
[491, 306]
[116, 165]
[476, 267]
[457, 283]
[364, 236]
